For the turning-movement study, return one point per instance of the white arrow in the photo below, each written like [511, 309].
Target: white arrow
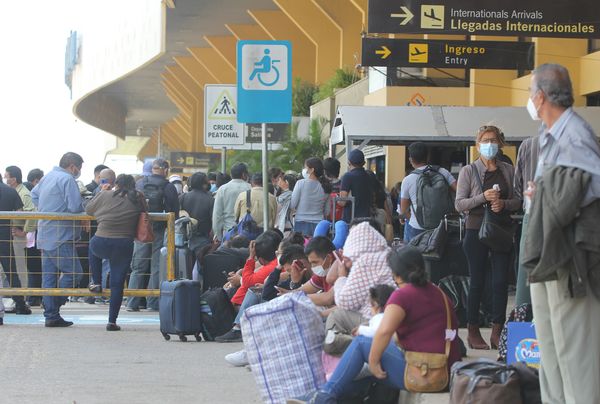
[406, 14]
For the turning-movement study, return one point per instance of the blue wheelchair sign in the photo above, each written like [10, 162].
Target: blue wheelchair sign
[264, 70]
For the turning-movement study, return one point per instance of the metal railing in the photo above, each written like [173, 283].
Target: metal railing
[27, 291]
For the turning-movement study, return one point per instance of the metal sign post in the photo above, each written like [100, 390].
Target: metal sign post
[264, 93]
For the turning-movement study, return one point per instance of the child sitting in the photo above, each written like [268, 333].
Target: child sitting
[379, 295]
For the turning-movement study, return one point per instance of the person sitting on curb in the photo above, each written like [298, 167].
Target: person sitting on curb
[365, 258]
[415, 312]
[262, 250]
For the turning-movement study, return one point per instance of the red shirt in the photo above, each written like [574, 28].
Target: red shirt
[424, 327]
[251, 278]
[320, 283]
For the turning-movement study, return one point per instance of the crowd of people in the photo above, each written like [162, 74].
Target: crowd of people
[374, 298]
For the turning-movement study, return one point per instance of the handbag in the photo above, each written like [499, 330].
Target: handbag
[432, 243]
[497, 230]
[428, 372]
[144, 232]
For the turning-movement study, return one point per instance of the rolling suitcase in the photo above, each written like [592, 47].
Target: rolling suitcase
[184, 263]
[179, 309]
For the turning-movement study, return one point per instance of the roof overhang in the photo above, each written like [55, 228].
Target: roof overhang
[400, 125]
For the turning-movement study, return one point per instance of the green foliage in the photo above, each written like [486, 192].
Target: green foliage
[302, 97]
[341, 79]
[292, 155]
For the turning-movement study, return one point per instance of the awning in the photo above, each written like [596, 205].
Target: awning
[400, 125]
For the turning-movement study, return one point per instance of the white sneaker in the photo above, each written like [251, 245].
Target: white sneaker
[238, 358]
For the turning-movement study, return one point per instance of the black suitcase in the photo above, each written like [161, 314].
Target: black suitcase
[215, 270]
[179, 309]
[184, 263]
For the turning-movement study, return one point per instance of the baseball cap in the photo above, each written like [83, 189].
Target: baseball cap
[356, 157]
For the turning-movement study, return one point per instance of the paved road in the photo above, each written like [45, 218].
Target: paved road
[85, 364]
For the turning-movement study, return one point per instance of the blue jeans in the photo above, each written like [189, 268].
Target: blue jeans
[118, 252]
[145, 269]
[342, 381]
[251, 299]
[60, 268]
[410, 232]
[306, 228]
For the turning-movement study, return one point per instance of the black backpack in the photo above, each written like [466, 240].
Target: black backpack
[154, 192]
[434, 199]
[217, 313]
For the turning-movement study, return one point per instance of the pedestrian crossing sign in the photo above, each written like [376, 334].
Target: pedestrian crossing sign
[221, 127]
[224, 107]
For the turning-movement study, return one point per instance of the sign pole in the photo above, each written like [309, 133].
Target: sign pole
[265, 179]
[224, 160]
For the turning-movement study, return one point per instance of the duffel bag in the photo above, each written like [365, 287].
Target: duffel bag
[484, 381]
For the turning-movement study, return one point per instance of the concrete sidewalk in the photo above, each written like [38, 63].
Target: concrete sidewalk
[86, 364]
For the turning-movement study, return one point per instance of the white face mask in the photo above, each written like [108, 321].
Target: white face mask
[319, 270]
[533, 112]
[305, 173]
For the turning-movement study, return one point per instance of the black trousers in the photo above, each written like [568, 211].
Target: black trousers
[33, 258]
[477, 256]
[9, 265]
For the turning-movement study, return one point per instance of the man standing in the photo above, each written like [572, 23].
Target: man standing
[33, 178]
[58, 192]
[23, 232]
[223, 214]
[161, 196]
[91, 187]
[438, 200]
[564, 279]
[10, 201]
[257, 201]
[357, 183]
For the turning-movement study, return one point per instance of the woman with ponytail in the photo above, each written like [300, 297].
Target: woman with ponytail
[415, 312]
[310, 198]
[198, 203]
[117, 212]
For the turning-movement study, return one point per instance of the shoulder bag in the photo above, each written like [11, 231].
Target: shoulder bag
[144, 232]
[428, 372]
[497, 230]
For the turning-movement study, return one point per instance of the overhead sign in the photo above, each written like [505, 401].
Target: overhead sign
[275, 132]
[536, 18]
[221, 127]
[264, 81]
[447, 54]
[192, 159]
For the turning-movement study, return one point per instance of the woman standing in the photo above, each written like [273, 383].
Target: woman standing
[488, 181]
[117, 213]
[198, 203]
[310, 197]
[286, 184]
[416, 313]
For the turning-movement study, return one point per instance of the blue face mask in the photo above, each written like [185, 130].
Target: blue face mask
[488, 150]
[213, 187]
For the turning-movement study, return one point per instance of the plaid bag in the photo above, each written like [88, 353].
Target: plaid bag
[283, 339]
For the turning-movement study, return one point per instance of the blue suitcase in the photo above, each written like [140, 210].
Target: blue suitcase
[179, 309]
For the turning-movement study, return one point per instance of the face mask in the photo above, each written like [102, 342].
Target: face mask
[213, 187]
[319, 270]
[533, 112]
[488, 150]
[305, 173]
[76, 176]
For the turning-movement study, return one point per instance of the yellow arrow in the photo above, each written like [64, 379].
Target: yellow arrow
[385, 52]
[180, 160]
[406, 14]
